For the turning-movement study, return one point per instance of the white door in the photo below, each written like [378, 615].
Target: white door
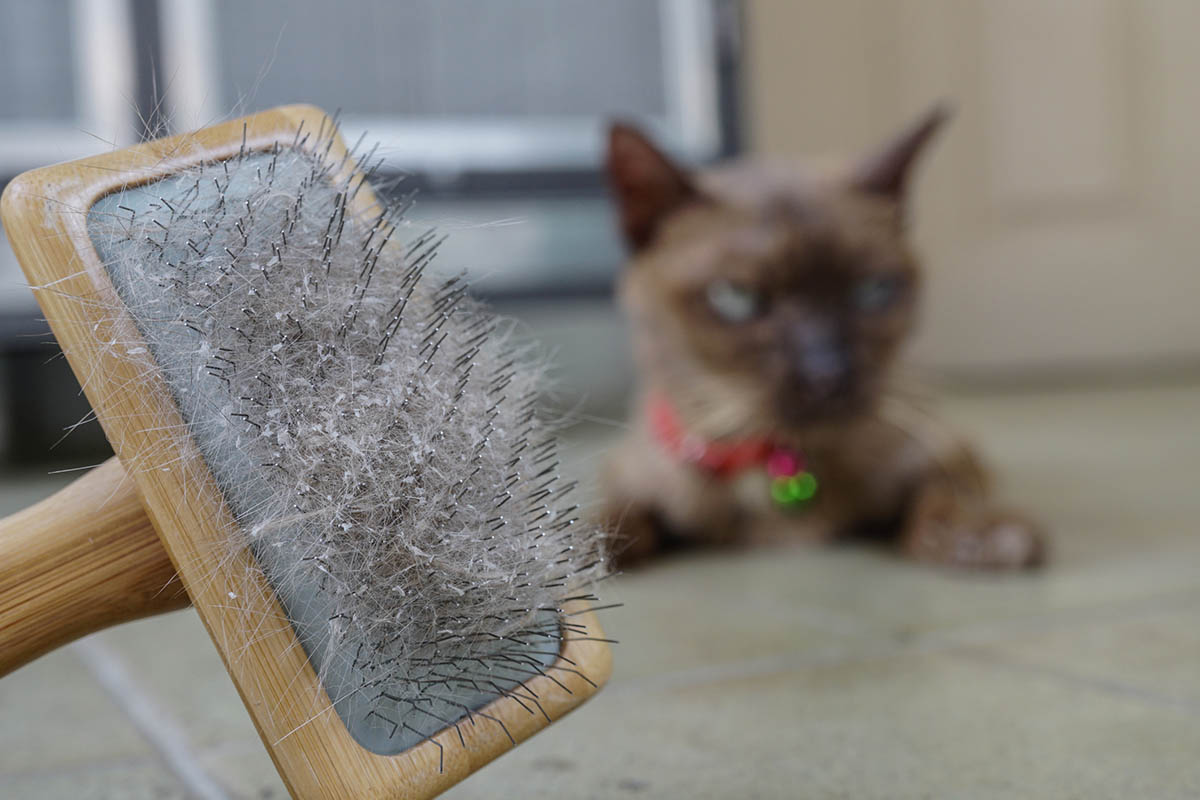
[1060, 214]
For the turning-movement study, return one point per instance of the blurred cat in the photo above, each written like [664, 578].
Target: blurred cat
[767, 306]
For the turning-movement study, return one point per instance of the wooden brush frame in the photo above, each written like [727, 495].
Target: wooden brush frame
[45, 215]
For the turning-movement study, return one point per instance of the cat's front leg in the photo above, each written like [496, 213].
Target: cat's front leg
[945, 525]
[654, 505]
[906, 466]
[637, 534]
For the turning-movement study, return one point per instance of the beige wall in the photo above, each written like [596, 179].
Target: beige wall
[1060, 215]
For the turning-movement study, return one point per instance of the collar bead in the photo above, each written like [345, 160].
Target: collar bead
[792, 486]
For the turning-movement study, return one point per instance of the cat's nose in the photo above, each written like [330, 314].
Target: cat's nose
[824, 372]
[820, 359]
[823, 363]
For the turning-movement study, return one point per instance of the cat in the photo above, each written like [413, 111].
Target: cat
[767, 305]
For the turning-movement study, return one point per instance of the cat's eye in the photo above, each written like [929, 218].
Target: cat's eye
[876, 294]
[734, 302]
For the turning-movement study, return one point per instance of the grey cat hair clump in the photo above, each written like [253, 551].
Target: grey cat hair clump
[375, 432]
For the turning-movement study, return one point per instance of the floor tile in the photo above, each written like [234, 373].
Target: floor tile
[109, 781]
[860, 594]
[709, 610]
[62, 736]
[244, 769]
[175, 661]
[913, 726]
[823, 672]
[1151, 653]
[54, 715]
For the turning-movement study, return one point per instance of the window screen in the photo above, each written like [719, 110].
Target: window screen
[445, 58]
[36, 67]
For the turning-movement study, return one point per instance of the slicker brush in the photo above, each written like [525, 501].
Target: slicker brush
[343, 454]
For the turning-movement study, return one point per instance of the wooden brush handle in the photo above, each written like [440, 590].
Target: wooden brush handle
[80, 560]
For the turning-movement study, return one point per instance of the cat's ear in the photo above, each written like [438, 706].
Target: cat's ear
[886, 170]
[647, 185]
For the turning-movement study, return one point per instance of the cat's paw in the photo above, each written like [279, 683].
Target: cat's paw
[635, 536]
[941, 531]
[1006, 542]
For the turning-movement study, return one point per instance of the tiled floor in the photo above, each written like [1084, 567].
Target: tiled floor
[832, 673]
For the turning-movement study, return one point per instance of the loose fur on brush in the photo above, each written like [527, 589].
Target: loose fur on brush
[374, 430]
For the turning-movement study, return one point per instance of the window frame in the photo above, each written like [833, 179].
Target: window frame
[105, 83]
[691, 125]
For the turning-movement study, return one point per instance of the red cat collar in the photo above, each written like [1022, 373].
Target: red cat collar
[791, 484]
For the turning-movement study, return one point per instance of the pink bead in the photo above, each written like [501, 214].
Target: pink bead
[783, 463]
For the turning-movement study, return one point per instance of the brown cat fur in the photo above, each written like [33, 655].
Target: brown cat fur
[766, 301]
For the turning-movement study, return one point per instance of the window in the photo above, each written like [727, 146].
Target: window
[66, 83]
[495, 109]
[453, 85]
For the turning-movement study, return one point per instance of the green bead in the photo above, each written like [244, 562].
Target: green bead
[781, 491]
[804, 486]
[795, 490]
